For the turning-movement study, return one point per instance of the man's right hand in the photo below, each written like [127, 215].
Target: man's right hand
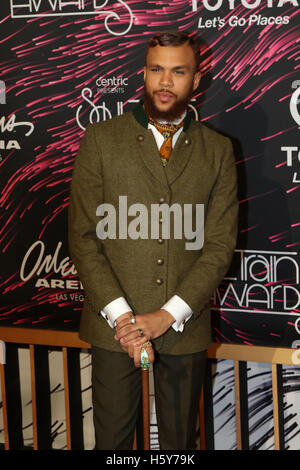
[134, 348]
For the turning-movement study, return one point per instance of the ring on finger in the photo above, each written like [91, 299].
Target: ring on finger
[132, 319]
[141, 333]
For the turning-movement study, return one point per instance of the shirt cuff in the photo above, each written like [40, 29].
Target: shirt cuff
[114, 310]
[180, 310]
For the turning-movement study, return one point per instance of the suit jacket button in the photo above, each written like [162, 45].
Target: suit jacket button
[161, 200]
[140, 138]
[160, 261]
[160, 240]
[187, 141]
[159, 282]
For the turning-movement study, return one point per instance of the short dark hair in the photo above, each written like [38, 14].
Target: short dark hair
[175, 38]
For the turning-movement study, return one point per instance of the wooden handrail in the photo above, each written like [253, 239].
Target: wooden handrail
[70, 339]
[59, 338]
[238, 353]
[241, 352]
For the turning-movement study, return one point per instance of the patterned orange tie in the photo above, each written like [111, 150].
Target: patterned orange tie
[167, 131]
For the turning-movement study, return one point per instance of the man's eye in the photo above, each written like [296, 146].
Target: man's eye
[155, 69]
[179, 72]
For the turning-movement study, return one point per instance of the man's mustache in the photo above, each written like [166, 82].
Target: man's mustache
[165, 90]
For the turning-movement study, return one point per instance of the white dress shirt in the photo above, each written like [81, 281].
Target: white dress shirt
[176, 306]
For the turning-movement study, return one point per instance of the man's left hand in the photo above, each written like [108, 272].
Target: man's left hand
[149, 325]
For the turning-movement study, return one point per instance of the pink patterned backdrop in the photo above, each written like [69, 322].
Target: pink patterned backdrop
[65, 64]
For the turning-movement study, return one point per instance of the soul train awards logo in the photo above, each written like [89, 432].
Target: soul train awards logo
[97, 111]
[259, 288]
[49, 8]
[101, 110]
[265, 283]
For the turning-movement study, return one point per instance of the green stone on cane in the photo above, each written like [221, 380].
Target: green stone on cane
[145, 364]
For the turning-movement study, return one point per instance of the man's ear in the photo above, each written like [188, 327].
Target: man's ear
[144, 72]
[197, 78]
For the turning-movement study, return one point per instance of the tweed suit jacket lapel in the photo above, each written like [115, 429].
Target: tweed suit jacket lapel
[149, 153]
[180, 157]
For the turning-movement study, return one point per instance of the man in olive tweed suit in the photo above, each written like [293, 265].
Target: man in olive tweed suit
[151, 291]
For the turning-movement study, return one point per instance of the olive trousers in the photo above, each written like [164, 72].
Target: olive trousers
[116, 392]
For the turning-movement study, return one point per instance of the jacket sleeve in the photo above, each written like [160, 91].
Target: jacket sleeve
[98, 279]
[220, 231]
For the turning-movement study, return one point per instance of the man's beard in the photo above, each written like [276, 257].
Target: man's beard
[173, 113]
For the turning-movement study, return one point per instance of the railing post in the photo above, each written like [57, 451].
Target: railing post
[33, 397]
[277, 406]
[241, 405]
[4, 407]
[67, 397]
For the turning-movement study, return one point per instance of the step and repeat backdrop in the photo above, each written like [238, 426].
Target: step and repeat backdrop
[65, 64]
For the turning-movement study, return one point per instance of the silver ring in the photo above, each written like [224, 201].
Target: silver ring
[132, 319]
[141, 333]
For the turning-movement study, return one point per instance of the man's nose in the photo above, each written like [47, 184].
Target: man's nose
[166, 79]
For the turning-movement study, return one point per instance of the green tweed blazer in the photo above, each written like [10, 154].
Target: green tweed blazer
[120, 157]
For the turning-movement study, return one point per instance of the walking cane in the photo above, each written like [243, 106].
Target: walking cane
[145, 365]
